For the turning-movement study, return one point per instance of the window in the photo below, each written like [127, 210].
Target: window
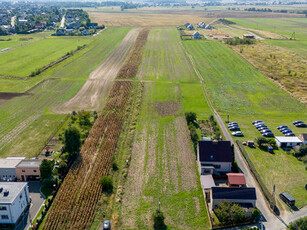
[2, 208]
[34, 170]
[217, 166]
[4, 217]
[23, 170]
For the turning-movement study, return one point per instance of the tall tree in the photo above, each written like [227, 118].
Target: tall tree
[46, 169]
[72, 142]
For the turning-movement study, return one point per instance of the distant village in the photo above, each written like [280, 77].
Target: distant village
[27, 18]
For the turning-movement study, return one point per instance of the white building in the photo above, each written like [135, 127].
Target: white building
[8, 168]
[14, 201]
[288, 142]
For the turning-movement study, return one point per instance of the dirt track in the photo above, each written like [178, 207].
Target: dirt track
[96, 89]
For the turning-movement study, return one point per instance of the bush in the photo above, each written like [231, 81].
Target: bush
[190, 117]
[229, 213]
[301, 152]
[256, 213]
[158, 219]
[46, 168]
[114, 166]
[49, 182]
[107, 184]
[261, 140]
[300, 224]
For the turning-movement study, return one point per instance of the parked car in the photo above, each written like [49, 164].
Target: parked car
[238, 134]
[289, 200]
[301, 125]
[262, 128]
[268, 134]
[234, 128]
[261, 125]
[266, 131]
[270, 149]
[296, 122]
[254, 122]
[287, 131]
[233, 125]
[107, 225]
[282, 127]
[289, 135]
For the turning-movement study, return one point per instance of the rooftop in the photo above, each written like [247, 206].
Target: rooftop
[288, 139]
[236, 178]
[9, 162]
[234, 193]
[303, 136]
[207, 181]
[29, 163]
[14, 189]
[215, 151]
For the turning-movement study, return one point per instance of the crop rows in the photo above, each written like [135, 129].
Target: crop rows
[130, 68]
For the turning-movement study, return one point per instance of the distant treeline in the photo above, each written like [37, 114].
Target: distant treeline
[275, 11]
[238, 41]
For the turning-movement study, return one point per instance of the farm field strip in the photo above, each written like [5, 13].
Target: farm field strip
[93, 93]
[164, 58]
[21, 62]
[239, 90]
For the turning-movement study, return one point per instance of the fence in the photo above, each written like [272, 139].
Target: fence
[263, 187]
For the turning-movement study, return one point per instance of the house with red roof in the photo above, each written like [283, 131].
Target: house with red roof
[236, 180]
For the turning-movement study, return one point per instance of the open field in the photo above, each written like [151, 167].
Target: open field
[163, 165]
[164, 58]
[239, 90]
[281, 65]
[23, 115]
[284, 27]
[95, 90]
[23, 61]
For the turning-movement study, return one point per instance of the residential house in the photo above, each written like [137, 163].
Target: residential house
[190, 27]
[288, 142]
[208, 27]
[250, 36]
[85, 32]
[8, 168]
[303, 138]
[28, 169]
[187, 24]
[236, 180]
[245, 197]
[214, 157]
[196, 35]
[14, 201]
[93, 25]
[60, 32]
[202, 25]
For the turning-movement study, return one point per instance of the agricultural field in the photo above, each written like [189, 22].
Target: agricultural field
[163, 165]
[32, 111]
[164, 58]
[23, 61]
[237, 89]
[283, 26]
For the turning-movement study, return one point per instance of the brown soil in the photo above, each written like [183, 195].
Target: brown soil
[96, 89]
[5, 97]
[166, 108]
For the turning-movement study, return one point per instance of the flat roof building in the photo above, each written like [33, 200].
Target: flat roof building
[7, 168]
[14, 201]
[287, 142]
[28, 169]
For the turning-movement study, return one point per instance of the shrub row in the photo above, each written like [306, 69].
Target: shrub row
[264, 189]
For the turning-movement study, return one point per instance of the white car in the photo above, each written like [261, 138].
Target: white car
[237, 134]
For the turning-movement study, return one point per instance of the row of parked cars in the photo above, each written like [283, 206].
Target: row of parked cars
[285, 130]
[299, 124]
[263, 129]
[233, 126]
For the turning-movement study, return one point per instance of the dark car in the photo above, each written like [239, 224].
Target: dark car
[268, 134]
[262, 128]
[234, 128]
[254, 122]
[233, 125]
[270, 149]
[266, 131]
[296, 122]
[301, 125]
[282, 127]
[287, 131]
[259, 123]
[289, 135]
[107, 225]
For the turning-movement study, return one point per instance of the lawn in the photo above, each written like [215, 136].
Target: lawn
[27, 122]
[283, 26]
[239, 90]
[163, 165]
[23, 61]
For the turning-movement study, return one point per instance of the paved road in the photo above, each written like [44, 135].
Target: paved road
[268, 220]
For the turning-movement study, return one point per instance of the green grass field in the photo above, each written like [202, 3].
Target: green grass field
[26, 122]
[239, 90]
[163, 166]
[283, 26]
[23, 61]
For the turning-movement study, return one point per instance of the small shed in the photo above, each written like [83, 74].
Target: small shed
[196, 35]
[250, 36]
[287, 142]
[236, 180]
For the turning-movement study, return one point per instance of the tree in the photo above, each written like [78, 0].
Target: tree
[62, 169]
[230, 213]
[158, 219]
[72, 142]
[84, 118]
[300, 224]
[107, 184]
[190, 117]
[301, 152]
[261, 140]
[46, 169]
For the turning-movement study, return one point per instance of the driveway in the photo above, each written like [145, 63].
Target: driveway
[37, 201]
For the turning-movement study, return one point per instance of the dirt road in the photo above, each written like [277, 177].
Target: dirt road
[96, 89]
